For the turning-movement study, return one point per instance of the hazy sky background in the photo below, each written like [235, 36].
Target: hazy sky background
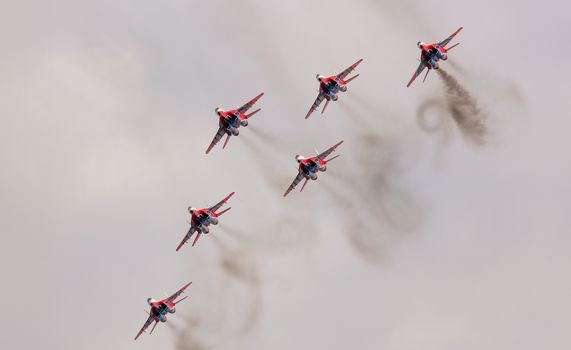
[410, 240]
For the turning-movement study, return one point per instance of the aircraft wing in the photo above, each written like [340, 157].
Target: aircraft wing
[145, 326]
[418, 71]
[346, 72]
[173, 297]
[217, 138]
[445, 42]
[249, 105]
[217, 206]
[316, 104]
[297, 180]
[326, 153]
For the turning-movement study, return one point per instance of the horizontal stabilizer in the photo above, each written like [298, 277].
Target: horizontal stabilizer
[426, 75]
[349, 80]
[181, 300]
[223, 211]
[152, 329]
[196, 239]
[251, 114]
[326, 103]
[305, 183]
[330, 159]
[453, 46]
[226, 142]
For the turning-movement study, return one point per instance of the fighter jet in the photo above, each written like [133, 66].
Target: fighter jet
[230, 121]
[329, 87]
[160, 309]
[309, 167]
[432, 53]
[200, 219]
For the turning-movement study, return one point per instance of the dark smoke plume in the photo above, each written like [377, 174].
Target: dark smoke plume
[376, 208]
[240, 263]
[267, 139]
[464, 109]
[185, 337]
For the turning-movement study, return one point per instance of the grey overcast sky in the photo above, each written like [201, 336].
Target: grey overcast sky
[412, 239]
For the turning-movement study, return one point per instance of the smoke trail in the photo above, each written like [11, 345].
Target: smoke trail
[464, 110]
[423, 117]
[432, 117]
[376, 209]
[358, 118]
[185, 338]
[240, 263]
[274, 179]
[266, 138]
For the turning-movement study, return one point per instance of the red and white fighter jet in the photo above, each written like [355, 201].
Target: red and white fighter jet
[309, 167]
[329, 87]
[230, 121]
[431, 54]
[202, 218]
[160, 309]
